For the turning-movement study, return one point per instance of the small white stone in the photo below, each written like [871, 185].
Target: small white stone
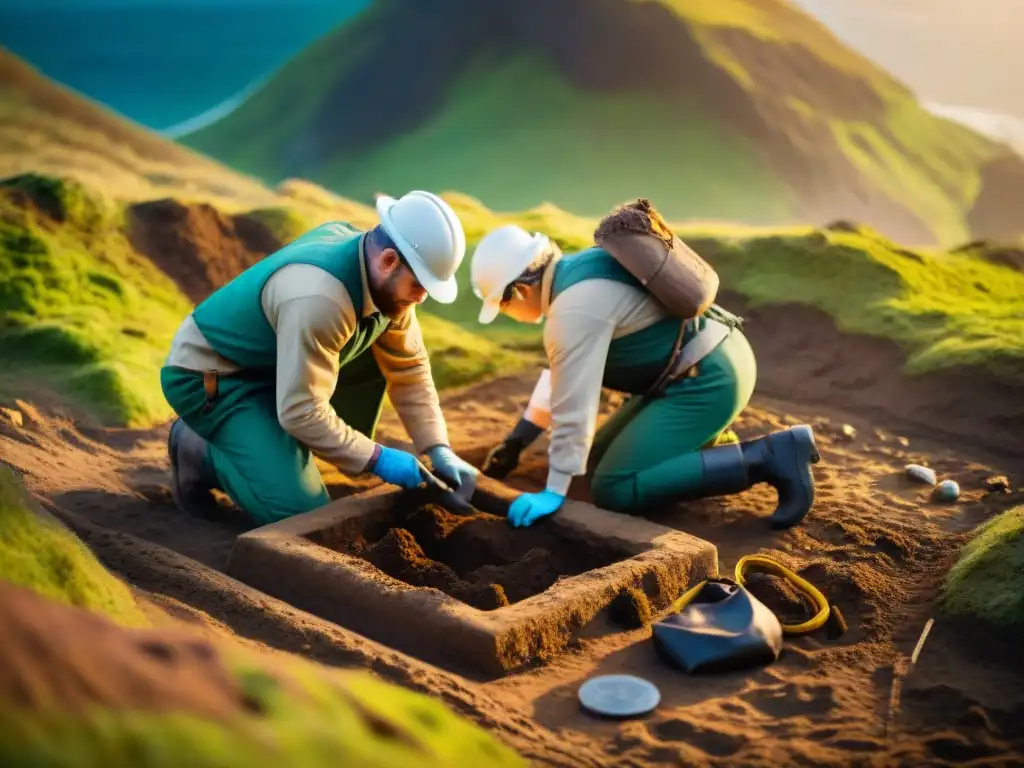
[921, 474]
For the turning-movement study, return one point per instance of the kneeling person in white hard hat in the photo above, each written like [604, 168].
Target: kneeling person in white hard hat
[293, 357]
[689, 379]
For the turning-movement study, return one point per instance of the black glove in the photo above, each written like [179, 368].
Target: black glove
[504, 457]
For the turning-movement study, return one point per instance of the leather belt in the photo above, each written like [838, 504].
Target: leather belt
[686, 356]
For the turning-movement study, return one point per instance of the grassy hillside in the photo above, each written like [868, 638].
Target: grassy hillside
[133, 692]
[946, 309]
[725, 109]
[49, 130]
[46, 128]
[94, 279]
[479, 144]
[80, 313]
[86, 317]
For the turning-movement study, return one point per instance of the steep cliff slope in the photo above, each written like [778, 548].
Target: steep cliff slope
[729, 109]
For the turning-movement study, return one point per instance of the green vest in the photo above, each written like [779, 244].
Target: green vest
[637, 359]
[232, 319]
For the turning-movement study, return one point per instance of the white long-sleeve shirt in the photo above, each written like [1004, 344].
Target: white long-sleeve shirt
[580, 325]
[313, 317]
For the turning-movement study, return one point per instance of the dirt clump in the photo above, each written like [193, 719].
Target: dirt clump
[198, 247]
[866, 594]
[399, 554]
[474, 558]
[781, 597]
[57, 656]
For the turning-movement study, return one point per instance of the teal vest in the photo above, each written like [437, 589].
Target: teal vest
[636, 360]
[232, 319]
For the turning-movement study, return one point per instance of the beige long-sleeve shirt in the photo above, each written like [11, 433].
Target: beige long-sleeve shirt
[313, 316]
[581, 323]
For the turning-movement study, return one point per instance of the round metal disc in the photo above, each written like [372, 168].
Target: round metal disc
[619, 695]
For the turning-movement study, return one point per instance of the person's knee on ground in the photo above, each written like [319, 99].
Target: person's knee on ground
[296, 495]
[278, 495]
[615, 491]
[194, 476]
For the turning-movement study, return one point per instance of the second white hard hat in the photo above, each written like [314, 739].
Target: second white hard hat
[499, 259]
[429, 235]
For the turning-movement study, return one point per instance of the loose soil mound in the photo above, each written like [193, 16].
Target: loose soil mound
[64, 657]
[807, 358]
[475, 558]
[199, 247]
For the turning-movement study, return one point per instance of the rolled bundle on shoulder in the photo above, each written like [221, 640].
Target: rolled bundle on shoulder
[637, 236]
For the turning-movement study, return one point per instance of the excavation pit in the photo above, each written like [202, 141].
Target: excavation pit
[477, 559]
[468, 592]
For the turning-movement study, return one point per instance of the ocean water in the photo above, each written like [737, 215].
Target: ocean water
[164, 65]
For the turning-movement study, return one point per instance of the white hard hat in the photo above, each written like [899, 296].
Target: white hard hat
[430, 237]
[499, 259]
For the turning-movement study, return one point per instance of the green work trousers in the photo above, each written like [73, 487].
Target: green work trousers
[266, 471]
[648, 453]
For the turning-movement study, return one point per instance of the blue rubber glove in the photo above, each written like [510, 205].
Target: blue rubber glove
[399, 468]
[449, 467]
[531, 507]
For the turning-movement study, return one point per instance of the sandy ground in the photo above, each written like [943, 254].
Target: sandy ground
[873, 543]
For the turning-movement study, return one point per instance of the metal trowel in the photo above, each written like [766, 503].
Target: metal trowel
[457, 501]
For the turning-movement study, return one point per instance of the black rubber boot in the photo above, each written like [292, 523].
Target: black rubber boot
[781, 459]
[192, 478]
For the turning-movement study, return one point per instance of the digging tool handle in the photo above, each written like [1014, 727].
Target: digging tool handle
[432, 480]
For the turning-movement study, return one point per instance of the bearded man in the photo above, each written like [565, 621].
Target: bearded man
[293, 357]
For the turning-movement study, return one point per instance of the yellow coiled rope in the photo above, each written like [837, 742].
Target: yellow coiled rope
[765, 563]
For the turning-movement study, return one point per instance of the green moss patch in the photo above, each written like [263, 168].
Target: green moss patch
[38, 554]
[987, 582]
[945, 309]
[353, 720]
[80, 311]
[284, 224]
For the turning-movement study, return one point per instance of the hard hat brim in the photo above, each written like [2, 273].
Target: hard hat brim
[488, 311]
[441, 291]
